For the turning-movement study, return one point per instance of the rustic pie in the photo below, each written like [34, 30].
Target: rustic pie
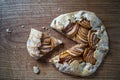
[87, 30]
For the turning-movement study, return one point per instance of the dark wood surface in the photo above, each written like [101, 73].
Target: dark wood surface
[15, 63]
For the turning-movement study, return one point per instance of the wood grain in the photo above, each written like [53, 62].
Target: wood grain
[15, 63]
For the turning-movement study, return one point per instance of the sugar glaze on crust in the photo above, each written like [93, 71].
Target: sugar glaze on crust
[82, 66]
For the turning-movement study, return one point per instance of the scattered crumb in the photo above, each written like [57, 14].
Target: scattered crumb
[58, 9]
[22, 26]
[36, 69]
[45, 28]
[8, 30]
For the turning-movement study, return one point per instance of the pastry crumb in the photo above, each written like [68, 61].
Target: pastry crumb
[58, 9]
[36, 69]
[8, 30]
[43, 27]
[23, 26]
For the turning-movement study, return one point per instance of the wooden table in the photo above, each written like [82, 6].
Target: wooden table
[20, 15]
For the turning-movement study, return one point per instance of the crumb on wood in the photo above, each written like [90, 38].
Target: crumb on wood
[36, 69]
[45, 28]
[22, 26]
[8, 30]
[58, 9]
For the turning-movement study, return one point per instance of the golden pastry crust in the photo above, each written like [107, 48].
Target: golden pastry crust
[38, 44]
[85, 28]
